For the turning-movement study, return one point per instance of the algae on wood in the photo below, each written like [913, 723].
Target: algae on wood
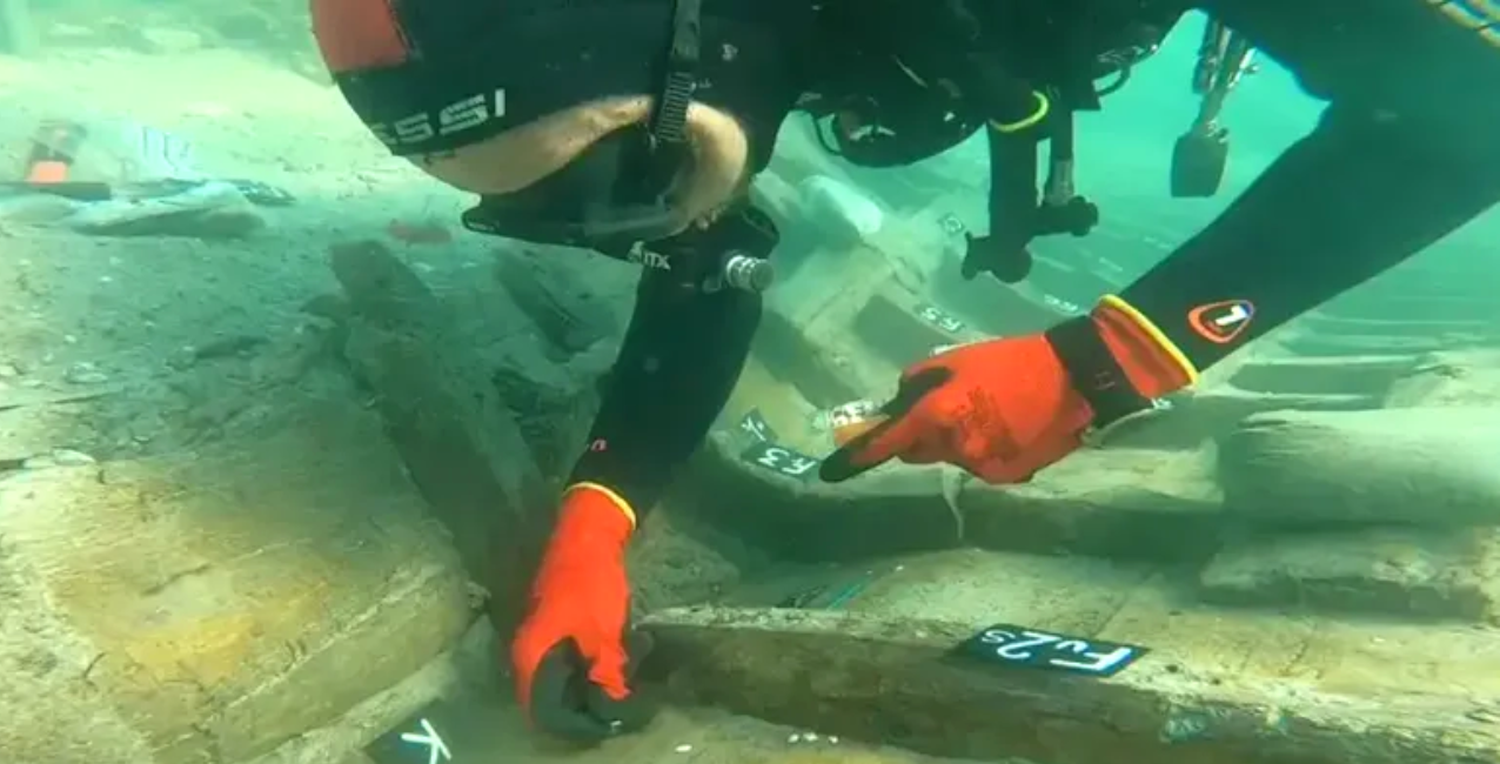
[1219, 686]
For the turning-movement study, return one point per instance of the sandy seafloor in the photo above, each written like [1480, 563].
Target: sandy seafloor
[124, 311]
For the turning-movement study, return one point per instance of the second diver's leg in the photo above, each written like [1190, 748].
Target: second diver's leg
[1338, 208]
[1396, 164]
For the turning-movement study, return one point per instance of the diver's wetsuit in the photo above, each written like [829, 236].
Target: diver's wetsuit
[1408, 151]
[416, 72]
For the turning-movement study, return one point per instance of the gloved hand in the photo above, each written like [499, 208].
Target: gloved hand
[570, 656]
[1003, 409]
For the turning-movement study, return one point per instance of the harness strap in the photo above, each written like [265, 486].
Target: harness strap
[1094, 372]
[654, 161]
[668, 123]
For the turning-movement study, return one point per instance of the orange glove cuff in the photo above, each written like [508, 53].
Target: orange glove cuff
[592, 509]
[1152, 363]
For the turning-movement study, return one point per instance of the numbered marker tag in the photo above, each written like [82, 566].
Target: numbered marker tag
[418, 739]
[940, 319]
[1070, 308]
[263, 194]
[851, 420]
[781, 460]
[756, 426]
[852, 413]
[952, 225]
[1011, 645]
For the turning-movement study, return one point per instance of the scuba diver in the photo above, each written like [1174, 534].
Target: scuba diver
[633, 127]
[906, 81]
[1404, 154]
[628, 128]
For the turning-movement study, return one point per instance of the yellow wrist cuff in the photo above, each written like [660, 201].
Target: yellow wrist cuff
[618, 500]
[1149, 329]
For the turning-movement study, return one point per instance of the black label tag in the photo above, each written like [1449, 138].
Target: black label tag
[757, 427]
[418, 739]
[781, 460]
[263, 194]
[1012, 645]
[940, 319]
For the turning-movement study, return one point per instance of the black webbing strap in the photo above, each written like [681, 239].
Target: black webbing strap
[668, 123]
[1094, 372]
[652, 163]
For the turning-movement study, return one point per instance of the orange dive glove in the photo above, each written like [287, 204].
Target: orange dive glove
[570, 656]
[1005, 408]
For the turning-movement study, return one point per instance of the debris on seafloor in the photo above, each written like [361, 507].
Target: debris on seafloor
[207, 209]
[84, 373]
[811, 737]
[35, 396]
[58, 457]
[1487, 713]
[419, 232]
[124, 178]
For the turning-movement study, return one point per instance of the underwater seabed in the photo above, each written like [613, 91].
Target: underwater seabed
[477, 720]
[265, 486]
[1298, 562]
[1217, 685]
[1299, 559]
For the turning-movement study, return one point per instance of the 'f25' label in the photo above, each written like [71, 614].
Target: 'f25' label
[1013, 645]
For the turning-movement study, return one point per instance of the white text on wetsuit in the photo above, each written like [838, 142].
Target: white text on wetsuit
[464, 114]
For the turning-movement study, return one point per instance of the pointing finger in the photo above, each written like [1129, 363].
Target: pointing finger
[888, 439]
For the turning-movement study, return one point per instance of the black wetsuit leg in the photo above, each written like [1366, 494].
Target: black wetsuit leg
[1408, 152]
[682, 355]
